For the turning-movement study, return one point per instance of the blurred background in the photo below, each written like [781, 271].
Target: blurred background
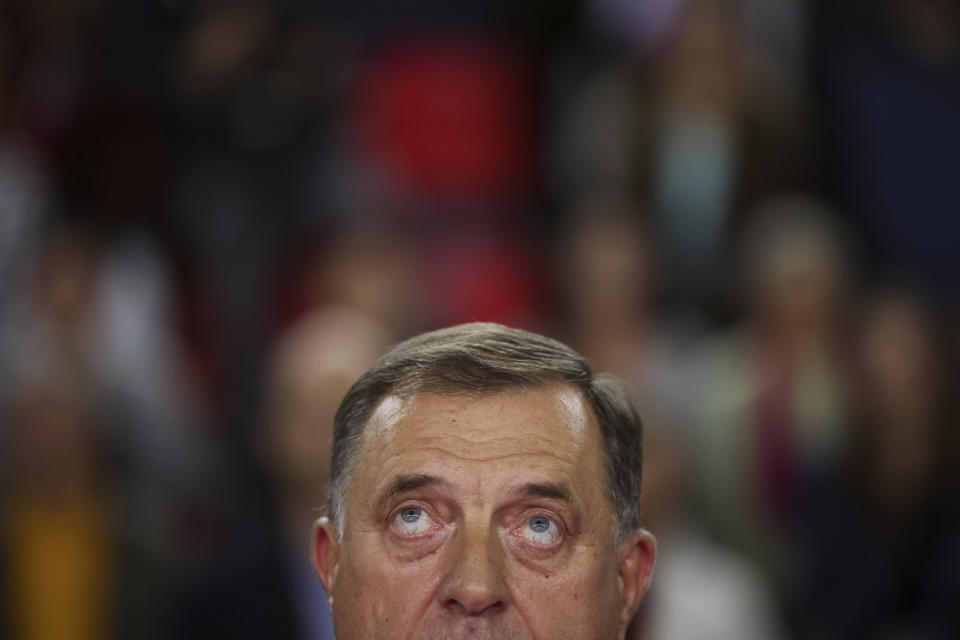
[214, 215]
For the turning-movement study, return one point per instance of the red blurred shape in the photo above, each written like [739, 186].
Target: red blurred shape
[448, 118]
[490, 279]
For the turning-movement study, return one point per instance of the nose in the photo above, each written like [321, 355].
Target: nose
[474, 583]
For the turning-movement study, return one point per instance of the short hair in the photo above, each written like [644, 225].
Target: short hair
[481, 358]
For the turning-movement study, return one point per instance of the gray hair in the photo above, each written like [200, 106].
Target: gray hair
[484, 357]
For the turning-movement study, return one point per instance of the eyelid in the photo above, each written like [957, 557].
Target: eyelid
[558, 518]
[405, 503]
[434, 524]
[409, 504]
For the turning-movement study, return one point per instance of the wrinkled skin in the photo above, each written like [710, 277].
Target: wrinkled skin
[481, 517]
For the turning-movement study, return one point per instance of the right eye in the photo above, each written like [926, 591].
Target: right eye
[540, 530]
[412, 521]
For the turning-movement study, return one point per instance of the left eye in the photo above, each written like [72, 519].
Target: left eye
[540, 530]
[412, 521]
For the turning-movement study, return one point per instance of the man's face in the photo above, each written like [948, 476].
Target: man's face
[481, 517]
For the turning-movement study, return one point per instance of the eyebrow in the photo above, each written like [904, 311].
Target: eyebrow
[412, 482]
[549, 490]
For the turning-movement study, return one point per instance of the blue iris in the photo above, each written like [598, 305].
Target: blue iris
[411, 514]
[540, 524]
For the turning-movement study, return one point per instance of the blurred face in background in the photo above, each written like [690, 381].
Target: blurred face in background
[481, 517]
[313, 366]
[302, 427]
[607, 264]
[795, 261]
[900, 394]
[897, 356]
[65, 280]
[54, 442]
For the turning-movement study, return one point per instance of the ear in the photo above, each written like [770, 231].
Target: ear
[326, 554]
[637, 554]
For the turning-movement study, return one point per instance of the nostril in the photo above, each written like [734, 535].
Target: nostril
[477, 597]
[496, 607]
[475, 608]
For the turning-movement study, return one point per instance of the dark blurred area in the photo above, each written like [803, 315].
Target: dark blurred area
[214, 215]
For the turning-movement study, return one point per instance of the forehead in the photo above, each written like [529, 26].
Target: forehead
[549, 432]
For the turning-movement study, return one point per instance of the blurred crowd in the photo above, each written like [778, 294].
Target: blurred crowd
[215, 214]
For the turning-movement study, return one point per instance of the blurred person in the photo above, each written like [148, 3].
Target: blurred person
[606, 272]
[56, 524]
[51, 313]
[730, 131]
[374, 269]
[105, 307]
[261, 584]
[702, 589]
[664, 117]
[705, 110]
[695, 148]
[158, 411]
[483, 483]
[139, 356]
[773, 406]
[882, 531]
[71, 564]
[100, 312]
[608, 282]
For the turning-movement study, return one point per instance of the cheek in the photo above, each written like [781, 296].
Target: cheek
[381, 597]
[575, 604]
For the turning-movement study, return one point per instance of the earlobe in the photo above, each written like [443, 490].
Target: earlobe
[326, 553]
[637, 555]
